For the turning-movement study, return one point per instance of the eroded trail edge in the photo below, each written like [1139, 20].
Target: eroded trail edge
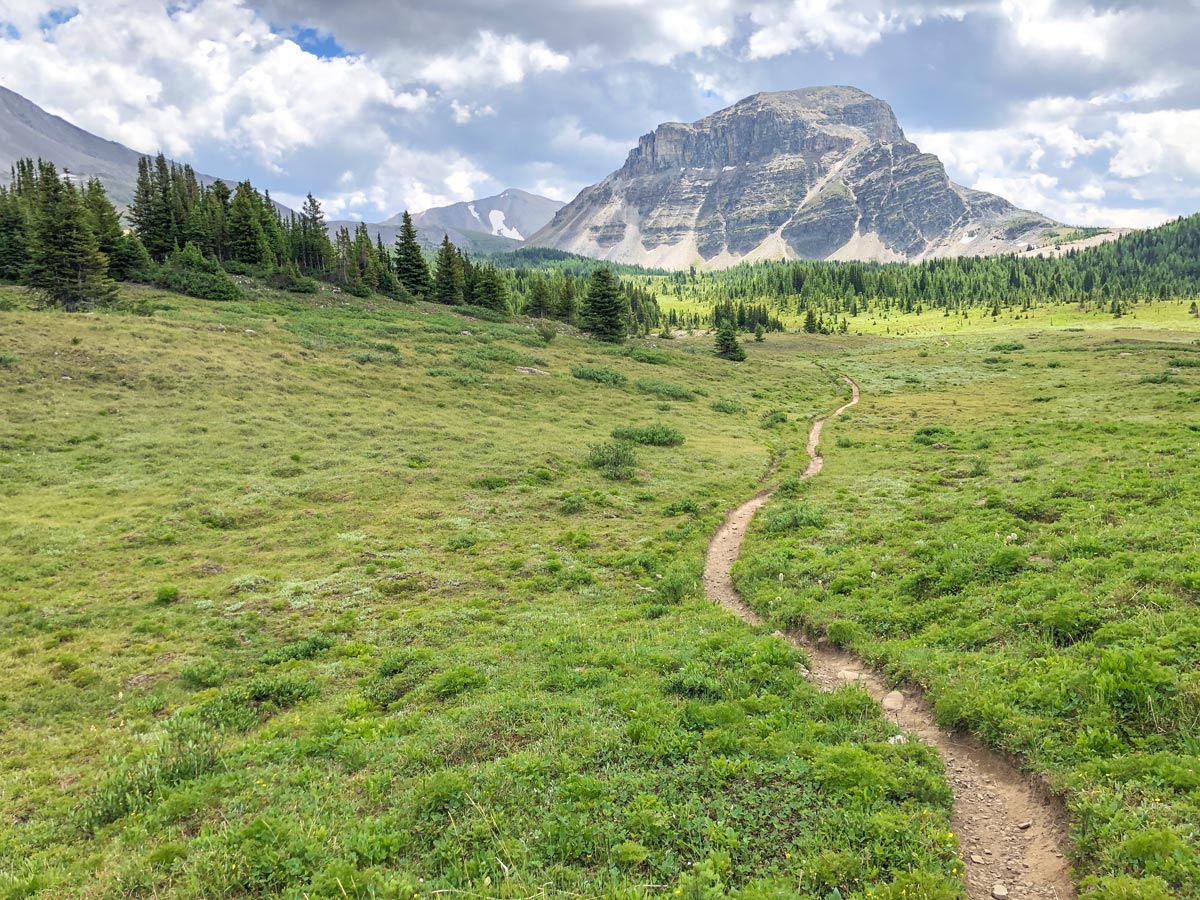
[1012, 830]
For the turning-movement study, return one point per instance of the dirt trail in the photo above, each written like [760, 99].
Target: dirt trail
[1012, 830]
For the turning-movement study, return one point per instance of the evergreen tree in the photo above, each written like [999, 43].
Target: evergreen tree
[810, 322]
[539, 303]
[149, 211]
[758, 334]
[449, 284]
[727, 343]
[65, 265]
[491, 289]
[14, 239]
[247, 243]
[606, 309]
[411, 268]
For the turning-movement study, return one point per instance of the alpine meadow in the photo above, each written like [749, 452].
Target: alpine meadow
[773, 517]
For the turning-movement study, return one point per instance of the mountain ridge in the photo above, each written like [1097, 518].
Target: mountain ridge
[814, 173]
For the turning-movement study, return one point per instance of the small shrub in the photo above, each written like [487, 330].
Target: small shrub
[1163, 378]
[617, 460]
[664, 390]
[1007, 347]
[546, 331]
[8, 360]
[305, 649]
[289, 279]
[791, 516]
[203, 673]
[187, 271]
[166, 594]
[648, 356]
[599, 374]
[728, 407]
[773, 417]
[1179, 362]
[651, 435]
[933, 434]
[677, 585]
[186, 751]
[790, 488]
[455, 681]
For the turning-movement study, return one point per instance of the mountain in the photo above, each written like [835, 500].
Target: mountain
[818, 173]
[28, 130]
[513, 214]
[489, 225]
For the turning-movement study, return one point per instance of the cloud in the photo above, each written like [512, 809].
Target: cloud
[493, 60]
[1080, 108]
[156, 77]
[1163, 143]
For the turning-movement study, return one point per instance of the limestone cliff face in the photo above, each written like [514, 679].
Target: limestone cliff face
[819, 173]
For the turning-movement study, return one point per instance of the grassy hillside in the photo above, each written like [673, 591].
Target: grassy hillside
[325, 598]
[1011, 521]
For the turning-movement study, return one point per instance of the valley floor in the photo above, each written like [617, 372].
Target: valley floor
[332, 598]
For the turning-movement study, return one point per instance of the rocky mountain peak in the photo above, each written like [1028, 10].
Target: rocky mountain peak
[818, 173]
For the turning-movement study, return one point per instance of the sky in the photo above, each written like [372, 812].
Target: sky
[1087, 112]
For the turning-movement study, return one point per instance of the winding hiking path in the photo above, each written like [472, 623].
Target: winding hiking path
[1011, 829]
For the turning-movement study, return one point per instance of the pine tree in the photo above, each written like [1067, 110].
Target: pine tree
[810, 322]
[449, 281]
[727, 343]
[411, 268]
[758, 334]
[606, 309]
[65, 266]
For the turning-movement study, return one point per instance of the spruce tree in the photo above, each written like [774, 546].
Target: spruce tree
[539, 303]
[247, 243]
[605, 309]
[14, 238]
[727, 343]
[491, 289]
[449, 281]
[411, 268]
[65, 265]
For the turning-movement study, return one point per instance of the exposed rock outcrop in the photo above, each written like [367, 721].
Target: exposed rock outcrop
[819, 173]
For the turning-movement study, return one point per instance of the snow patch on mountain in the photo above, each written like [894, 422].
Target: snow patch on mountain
[500, 226]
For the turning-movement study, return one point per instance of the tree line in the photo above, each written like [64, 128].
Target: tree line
[66, 241]
[1155, 264]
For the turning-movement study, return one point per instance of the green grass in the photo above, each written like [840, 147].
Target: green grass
[320, 597]
[1021, 540]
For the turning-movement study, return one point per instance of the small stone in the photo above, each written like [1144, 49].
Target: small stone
[977, 859]
[849, 676]
[999, 891]
[251, 331]
[893, 702]
[1025, 826]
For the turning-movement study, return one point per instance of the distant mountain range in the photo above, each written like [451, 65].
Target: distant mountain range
[491, 224]
[818, 173]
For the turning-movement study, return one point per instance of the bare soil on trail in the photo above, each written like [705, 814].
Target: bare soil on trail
[1012, 830]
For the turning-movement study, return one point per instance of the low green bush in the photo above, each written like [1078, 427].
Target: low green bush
[664, 390]
[651, 435]
[188, 271]
[617, 460]
[599, 374]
